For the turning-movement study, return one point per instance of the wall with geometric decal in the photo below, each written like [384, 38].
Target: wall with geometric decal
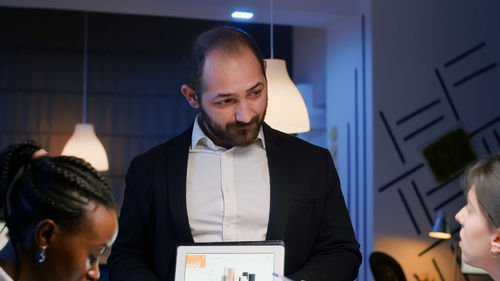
[436, 88]
[349, 121]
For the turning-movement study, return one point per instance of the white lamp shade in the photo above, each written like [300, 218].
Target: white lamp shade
[286, 109]
[85, 144]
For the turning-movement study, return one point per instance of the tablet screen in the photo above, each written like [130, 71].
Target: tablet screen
[229, 267]
[229, 262]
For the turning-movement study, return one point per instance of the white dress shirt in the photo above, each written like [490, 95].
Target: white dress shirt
[4, 276]
[227, 190]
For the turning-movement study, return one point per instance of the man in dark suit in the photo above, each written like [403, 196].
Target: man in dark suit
[231, 177]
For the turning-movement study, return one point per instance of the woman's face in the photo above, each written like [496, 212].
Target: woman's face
[75, 257]
[476, 234]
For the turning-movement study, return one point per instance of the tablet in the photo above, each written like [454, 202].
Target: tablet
[230, 261]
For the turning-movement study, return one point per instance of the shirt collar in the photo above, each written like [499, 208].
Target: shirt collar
[200, 140]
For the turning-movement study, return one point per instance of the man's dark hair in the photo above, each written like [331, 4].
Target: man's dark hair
[58, 188]
[229, 40]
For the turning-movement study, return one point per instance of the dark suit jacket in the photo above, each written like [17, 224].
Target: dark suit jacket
[307, 212]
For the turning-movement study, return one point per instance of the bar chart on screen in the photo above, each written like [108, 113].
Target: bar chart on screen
[196, 261]
[229, 267]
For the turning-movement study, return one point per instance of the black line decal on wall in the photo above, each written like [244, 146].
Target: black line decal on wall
[418, 111]
[486, 146]
[364, 163]
[477, 73]
[349, 167]
[420, 199]
[437, 269]
[356, 150]
[449, 200]
[423, 128]
[496, 137]
[408, 210]
[409, 172]
[441, 82]
[391, 135]
[475, 132]
[432, 246]
[434, 189]
[468, 52]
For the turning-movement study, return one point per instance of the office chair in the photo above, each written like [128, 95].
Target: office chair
[385, 268]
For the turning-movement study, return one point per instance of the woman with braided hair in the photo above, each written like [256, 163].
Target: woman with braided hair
[480, 218]
[59, 212]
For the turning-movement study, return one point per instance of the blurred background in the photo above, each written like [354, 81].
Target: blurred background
[383, 81]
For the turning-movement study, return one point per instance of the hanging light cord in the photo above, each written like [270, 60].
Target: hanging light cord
[272, 31]
[85, 43]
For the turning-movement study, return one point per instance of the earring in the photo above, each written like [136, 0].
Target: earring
[494, 253]
[41, 254]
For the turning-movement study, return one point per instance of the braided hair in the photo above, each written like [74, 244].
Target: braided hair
[57, 188]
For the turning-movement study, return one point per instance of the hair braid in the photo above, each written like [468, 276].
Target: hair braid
[12, 158]
[58, 188]
[40, 196]
[86, 178]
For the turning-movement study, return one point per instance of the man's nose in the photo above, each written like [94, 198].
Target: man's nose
[243, 112]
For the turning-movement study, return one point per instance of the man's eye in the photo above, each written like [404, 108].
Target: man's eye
[223, 102]
[256, 93]
[93, 258]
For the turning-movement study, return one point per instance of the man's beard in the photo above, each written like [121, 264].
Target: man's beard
[235, 133]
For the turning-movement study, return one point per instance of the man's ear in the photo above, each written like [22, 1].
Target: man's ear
[495, 243]
[190, 95]
[44, 233]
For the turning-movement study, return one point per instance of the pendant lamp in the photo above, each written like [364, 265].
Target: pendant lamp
[286, 109]
[84, 143]
[440, 229]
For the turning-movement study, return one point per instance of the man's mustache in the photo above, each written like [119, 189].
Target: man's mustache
[254, 120]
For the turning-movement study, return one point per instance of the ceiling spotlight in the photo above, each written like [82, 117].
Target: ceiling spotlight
[242, 15]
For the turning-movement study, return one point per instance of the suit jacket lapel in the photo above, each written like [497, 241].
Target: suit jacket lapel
[280, 180]
[176, 180]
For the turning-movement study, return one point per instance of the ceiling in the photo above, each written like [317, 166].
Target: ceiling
[314, 13]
